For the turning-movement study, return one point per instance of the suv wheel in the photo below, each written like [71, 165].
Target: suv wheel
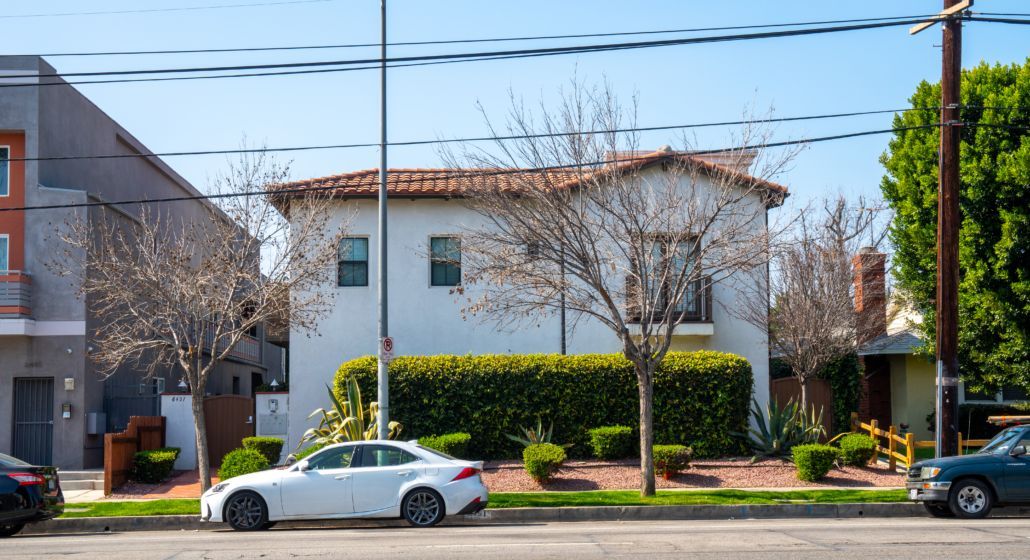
[423, 508]
[246, 511]
[11, 529]
[970, 499]
[938, 509]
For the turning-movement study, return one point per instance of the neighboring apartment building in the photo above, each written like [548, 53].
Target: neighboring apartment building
[426, 218]
[54, 405]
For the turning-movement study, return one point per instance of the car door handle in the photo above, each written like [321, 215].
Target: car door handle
[403, 473]
[342, 477]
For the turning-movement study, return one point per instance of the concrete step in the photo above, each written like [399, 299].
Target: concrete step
[67, 485]
[92, 474]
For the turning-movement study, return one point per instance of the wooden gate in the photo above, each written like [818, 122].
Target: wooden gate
[228, 419]
[819, 395]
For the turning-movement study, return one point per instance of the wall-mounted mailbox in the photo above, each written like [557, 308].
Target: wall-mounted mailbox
[96, 423]
[69, 383]
[66, 410]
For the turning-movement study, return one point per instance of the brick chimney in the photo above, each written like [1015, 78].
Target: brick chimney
[870, 293]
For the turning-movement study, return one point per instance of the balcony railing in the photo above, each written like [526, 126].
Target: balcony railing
[248, 349]
[15, 294]
[696, 304]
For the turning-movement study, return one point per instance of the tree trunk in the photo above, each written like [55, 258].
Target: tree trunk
[803, 401]
[646, 390]
[200, 429]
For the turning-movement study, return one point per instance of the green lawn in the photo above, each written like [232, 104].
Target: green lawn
[550, 499]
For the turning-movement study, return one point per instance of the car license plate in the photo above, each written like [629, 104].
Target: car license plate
[913, 494]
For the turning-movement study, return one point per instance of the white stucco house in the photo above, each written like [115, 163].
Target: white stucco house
[426, 217]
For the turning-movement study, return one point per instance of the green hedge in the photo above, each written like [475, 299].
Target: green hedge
[701, 398]
[154, 466]
[240, 462]
[542, 460]
[612, 442]
[670, 459]
[814, 460]
[455, 445]
[270, 447]
[856, 449]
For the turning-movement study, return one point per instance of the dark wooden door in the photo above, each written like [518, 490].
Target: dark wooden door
[878, 377]
[34, 420]
[229, 419]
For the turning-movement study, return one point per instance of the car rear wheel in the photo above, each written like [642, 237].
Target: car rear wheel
[970, 499]
[938, 510]
[246, 511]
[423, 507]
[11, 529]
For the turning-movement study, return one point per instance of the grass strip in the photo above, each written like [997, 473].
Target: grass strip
[550, 499]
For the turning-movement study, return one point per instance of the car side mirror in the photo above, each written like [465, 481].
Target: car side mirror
[1018, 451]
[303, 466]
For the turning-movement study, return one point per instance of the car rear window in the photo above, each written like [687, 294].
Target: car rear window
[438, 453]
[8, 461]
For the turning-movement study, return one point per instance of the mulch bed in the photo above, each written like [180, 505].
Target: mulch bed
[509, 476]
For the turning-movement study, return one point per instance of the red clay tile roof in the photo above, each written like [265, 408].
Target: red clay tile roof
[450, 182]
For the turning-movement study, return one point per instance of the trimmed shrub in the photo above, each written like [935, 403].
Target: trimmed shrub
[814, 460]
[455, 445]
[611, 442]
[856, 449]
[241, 461]
[270, 447]
[670, 459]
[701, 397]
[155, 465]
[542, 460]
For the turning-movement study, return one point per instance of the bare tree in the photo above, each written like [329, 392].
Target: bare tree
[182, 286]
[809, 303]
[574, 217]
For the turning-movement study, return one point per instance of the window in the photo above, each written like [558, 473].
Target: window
[235, 384]
[671, 259]
[4, 241]
[5, 167]
[335, 458]
[352, 262]
[1007, 394]
[385, 456]
[445, 261]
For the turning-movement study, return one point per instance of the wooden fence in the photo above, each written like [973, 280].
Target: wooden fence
[898, 448]
[820, 397]
[142, 434]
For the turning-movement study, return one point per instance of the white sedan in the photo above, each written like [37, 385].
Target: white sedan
[347, 480]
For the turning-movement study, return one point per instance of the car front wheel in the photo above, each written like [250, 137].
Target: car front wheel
[938, 510]
[970, 499]
[246, 511]
[11, 529]
[423, 507]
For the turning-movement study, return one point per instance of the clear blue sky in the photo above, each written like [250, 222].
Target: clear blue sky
[862, 70]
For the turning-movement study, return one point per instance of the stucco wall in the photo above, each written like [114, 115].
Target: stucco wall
[913, 389]
[427, 320]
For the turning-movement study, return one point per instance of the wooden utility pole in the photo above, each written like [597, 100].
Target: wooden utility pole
[948, 220]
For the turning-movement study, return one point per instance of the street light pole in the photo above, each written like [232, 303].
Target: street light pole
[383, 369]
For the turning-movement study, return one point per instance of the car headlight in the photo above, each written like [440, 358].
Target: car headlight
[929, 472]
[219, 487]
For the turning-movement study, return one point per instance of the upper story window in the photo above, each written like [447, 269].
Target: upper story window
[445, 261]
[4, 263]
[5, 171]
[352, 262]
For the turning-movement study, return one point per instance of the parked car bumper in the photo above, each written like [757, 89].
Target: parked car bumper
[466, 496]
[928, 491]
[211, 506]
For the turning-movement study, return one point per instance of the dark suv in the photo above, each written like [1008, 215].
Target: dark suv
[970, 485]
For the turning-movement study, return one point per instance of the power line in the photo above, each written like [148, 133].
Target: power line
[464, 57]
[1000, 20]
[459, 175]
[482, 138]
[484, 40]
[156, 10]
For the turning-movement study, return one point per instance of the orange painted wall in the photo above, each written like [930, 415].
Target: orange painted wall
[13, 223]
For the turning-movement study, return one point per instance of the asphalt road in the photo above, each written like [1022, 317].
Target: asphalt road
[829, 538]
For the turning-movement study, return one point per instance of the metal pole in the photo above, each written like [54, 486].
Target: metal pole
[564, 329]
[383, 369]
[947, 233]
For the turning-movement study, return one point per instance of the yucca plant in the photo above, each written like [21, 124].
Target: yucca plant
[533, 436]
[348, 420]
[778, 430]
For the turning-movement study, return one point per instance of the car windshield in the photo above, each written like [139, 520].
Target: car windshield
[8, 461]
[1002, 441]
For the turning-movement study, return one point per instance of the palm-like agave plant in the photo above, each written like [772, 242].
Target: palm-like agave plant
[786, 427]
[348, 420]
[536, 435]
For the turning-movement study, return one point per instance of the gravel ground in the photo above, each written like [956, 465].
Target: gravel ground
[509, 476]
